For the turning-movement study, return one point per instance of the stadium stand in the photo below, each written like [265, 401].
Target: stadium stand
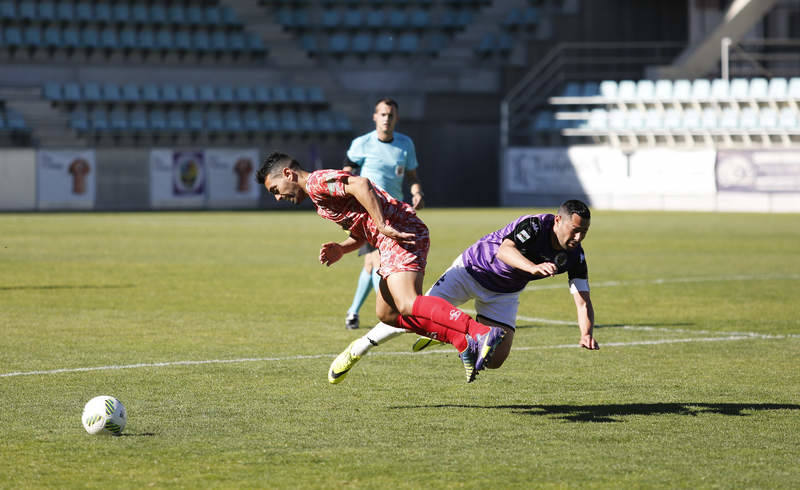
[717, 112]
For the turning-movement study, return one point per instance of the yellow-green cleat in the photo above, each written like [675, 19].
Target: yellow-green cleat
[424, 343]
[342, 365]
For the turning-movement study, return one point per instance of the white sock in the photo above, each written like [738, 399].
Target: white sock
[379, 334]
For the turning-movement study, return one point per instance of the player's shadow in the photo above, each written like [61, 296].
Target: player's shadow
[140, 434]
[46, 287]
[617, 412]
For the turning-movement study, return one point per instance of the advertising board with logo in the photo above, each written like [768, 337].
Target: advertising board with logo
[65, 179]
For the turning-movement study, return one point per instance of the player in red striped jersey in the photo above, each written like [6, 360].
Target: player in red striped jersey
[371, 215]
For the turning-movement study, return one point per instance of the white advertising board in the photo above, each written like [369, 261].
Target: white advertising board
[231, 177]
[65, 179]
[178, 178]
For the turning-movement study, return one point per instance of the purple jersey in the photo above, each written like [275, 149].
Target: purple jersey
[532, 236]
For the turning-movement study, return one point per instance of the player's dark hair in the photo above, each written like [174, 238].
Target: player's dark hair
[273, 164]
[387, 101]
[574, 206]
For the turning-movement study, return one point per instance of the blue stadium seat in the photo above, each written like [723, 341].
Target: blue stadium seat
[52, 91]
[306, 122]
[315, 95]
[244, 95]
[8, 10]
[353, 19]
[590, 89]
[78, 120]
[84, 12]
[201, 42]
[46, 12]
[169, 93]
[398, 19]
[325, 122]
[419, 19]
[156, 119]
[251, 121]
[543, 121]
[309, 44]
[117, 119]
[255, 44]
[338, 44]
[206, 93]
[121, 13]
[139, 14]
[90, 38]
[384, 44]
[225, 94]
[513, 19]
[158, 14]
[131, 93]
[164, 41]
[12, 36]
[375, 19]
[262, 94]
[128, 39]
[195, 120]
[182, 41]
[342, 123]
[151, 93]
[212, 16]
[65, 11]
[362, 43]
[289, 123]
[177, 15]
[91, 92]
[194, 15]
[219, 42]
[297, 95]
[435, 43]
[108, 38]
[146, 40]
[103, 13]
[571, 89]
[280, 95]
[32, 37]
[229, 17]
[72, 92]
[176, 119]
[111, 92]
[99, 119]
[270, 121]
[232, 121]
[26, 11]
[214, 120]
[187, 93]
[530, 17]
[331, 19]
[137, 120]
[237, 42]
[408, 43]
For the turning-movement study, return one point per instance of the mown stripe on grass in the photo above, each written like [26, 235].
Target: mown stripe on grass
[673, 280]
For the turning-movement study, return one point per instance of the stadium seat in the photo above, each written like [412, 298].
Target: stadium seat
[788, 119]
[12, 36]
[139, 14]
[778, 88]
[314, 95]
[146, 40]
[759, 89]
[103, 13]
[65, 11]
[187, 93]
[645, 90]
[99, 119]
[182, 41]
[729, 119]
[117, 119]
[398, 19]
[151, 93]
[72, 92]
[768, 119]
[543, 121]
[682, 90]
[653, 120]
[219, 42]
[673, 119]
[177, 15]
[251, 121]
[8, 10]
[176, 120]
[163, 39]
[232, 121]
[78, 120]
[262, 94]
[193, 15]
[237, 43]
[720, 89]
[26, 11]
[288, 121]
[749, 118]
[331, 19]
[701, 89]
[131, 93]
[121, 13]
[91, 92]
[590, 89]
[225, 94]
[51, 37]
[270, 121]
[342, 123]
[306, 122]
[608, 89]
[280, 95]
[108, 39]
[214, 122]
[195, 120]
[408, 43]
[158, 14]
[375, 19]
[626, 90]
[338, 44]
[793, 90]
[708, 119]
[212, 16]
[353, 19]
[111, 93]
[740, 88]
[325, 123]
[169, 93]
[137, 120]
[297, 95]
[84, 12]
[15, 121]
[52, 91]
[662, 91]
[90, 38]
[156, 119]
[362, 43]
[206, 93]
[200, 41]
[419, 19]
[71, 38]
[128, 39]
[244, 95]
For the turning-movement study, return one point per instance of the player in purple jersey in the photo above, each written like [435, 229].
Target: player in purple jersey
[495, 270]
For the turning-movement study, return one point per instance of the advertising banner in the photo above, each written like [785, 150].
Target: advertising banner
[65, 179]
[17, 179]
[758, 171]
[672, 172]
[231, 174]
[178, 178]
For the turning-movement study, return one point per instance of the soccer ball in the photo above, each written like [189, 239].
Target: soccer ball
[104, 415]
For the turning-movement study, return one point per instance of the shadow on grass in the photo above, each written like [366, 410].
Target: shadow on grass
[140, 434]
[66, 286]
[611, 413]
[614, 325]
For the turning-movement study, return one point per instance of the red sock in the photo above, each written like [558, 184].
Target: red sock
[442, 321]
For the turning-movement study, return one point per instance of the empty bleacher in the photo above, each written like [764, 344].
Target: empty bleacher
[101, 31]
[194, 112]
[14, 131]
[721, 113]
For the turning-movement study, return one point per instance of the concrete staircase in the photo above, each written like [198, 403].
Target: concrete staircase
[49, 125]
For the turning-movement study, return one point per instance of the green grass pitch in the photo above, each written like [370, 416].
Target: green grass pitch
[216, 331]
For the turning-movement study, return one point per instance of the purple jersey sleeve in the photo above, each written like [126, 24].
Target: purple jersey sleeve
[532, 236]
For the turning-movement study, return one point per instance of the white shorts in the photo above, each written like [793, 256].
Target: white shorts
[457, 286]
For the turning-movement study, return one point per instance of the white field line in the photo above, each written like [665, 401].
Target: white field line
[725, 338]
[673, 280]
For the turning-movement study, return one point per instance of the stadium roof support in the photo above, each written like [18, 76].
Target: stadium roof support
[699, 59]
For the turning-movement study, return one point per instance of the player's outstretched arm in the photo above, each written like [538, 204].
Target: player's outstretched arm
[362, 190]
[510, 255]
[583, 303]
